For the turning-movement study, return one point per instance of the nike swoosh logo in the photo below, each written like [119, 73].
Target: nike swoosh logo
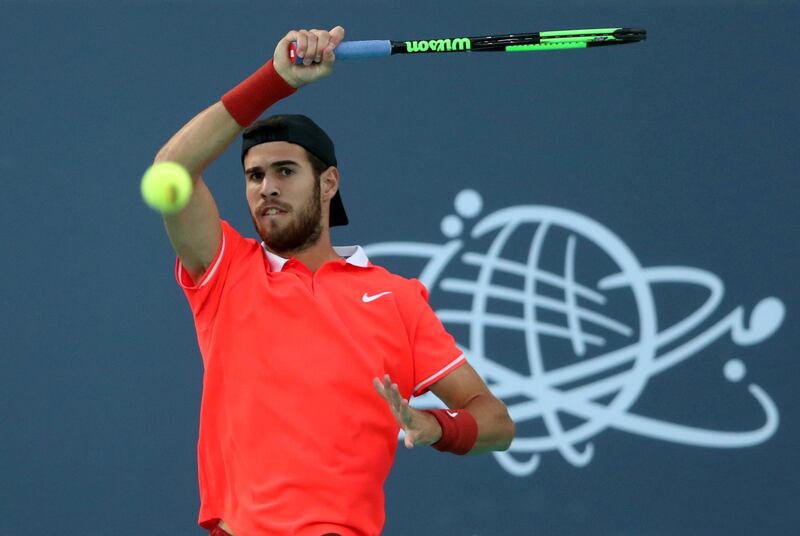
[367, 298]
[453, 413]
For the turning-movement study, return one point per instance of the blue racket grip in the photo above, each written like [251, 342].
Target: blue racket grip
[349, 50]
[352, 50]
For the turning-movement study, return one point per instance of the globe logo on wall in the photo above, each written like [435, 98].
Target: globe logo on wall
[560, 318]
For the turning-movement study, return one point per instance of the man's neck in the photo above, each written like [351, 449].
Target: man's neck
[314, 256]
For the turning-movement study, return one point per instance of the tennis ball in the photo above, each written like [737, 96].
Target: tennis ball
[166, 187]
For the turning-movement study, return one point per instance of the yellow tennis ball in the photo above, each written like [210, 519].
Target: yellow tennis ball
[166, 187]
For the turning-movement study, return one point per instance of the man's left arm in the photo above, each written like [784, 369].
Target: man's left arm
[464, 389]
[461, 390]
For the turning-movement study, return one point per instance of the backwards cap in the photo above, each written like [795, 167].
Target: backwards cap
[302, 131]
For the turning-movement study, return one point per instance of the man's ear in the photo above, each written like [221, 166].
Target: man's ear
[329, 182]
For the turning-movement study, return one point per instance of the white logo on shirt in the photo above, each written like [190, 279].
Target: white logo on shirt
[453, 413]
[367, 298]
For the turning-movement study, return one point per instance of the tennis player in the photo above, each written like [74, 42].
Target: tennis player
[310, 352]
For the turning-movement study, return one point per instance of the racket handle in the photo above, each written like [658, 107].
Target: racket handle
[350, 50]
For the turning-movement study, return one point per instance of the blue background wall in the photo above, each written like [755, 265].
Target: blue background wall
[685, 146]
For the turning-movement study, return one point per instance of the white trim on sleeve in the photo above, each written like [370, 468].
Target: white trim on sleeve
[209, 273]
[438, 375]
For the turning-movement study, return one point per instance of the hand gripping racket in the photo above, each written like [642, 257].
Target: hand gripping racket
[523, 42]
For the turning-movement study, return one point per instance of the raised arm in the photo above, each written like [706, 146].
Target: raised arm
[195, 231]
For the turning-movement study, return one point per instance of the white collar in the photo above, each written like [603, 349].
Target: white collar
[354, 255]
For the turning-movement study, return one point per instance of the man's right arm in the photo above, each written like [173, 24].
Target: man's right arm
[195, 231]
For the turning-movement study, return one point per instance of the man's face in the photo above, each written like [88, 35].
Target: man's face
[283, 194]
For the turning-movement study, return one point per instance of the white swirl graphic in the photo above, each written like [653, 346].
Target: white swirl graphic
[541, 300]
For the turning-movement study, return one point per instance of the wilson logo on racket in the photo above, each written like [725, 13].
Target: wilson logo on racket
[458, 44]
[519, 42]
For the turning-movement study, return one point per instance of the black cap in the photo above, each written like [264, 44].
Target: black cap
[302, 131]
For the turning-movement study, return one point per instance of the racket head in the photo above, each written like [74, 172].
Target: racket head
[591, 37]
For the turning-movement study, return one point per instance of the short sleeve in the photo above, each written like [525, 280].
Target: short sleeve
[204, 294]
[435, 351]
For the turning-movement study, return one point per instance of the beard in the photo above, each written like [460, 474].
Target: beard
[300, 233]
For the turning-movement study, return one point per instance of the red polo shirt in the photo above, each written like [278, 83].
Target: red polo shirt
[293, 437]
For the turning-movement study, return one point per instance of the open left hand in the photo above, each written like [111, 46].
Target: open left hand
[420, 428]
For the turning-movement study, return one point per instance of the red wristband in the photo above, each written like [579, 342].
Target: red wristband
[459, 430]
[255, 94]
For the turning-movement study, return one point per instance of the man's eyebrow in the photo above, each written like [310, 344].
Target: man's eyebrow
[279, 163]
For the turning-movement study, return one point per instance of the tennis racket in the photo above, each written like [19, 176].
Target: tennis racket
[523, 42]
